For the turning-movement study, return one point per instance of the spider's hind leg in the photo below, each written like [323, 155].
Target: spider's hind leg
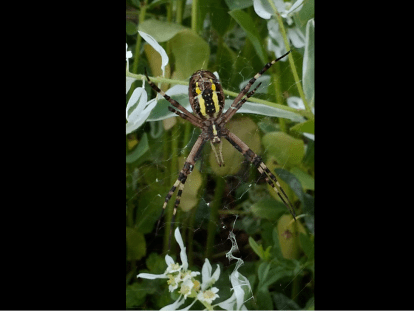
[182, 177]
[266, 173]
[261, 167]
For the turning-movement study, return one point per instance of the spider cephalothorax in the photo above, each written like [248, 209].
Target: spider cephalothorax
[206, 98]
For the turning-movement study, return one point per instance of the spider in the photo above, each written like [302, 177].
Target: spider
[207, 101]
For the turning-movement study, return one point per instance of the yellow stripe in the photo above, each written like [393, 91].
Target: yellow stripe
[198, 91]
[213, 86]
[202, 106]
[214, 130]
[215, 98]
[216, 103]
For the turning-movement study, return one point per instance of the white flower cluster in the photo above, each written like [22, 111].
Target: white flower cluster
[286, 10]
[181, 278]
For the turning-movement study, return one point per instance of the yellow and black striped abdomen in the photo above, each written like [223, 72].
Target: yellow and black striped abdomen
[206, 95]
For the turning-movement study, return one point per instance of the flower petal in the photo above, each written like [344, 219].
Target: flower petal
[139, 96]
[216, 274]
[295, 102]
[152, 276]
[169, 260]
[297, 6]
[151, 41]
[262, 8]
[205, 274]
[296, 36]
[128, 83]
[183, 254]
[174, 305]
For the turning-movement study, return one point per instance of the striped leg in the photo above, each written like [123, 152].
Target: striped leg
[180, 182]
[237, 100]
[232, 110]
[183, 111]
[184, 116]
[262, 168]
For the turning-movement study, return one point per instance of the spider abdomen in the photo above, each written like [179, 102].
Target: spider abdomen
[206, 95]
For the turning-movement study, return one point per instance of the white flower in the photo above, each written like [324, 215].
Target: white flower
[265, 10]
[186, 287]
[275, 41]
[138, 109]
[208, 295]
[207, 278]
[180, 277]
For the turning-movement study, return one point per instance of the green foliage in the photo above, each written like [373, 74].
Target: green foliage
[231, 38]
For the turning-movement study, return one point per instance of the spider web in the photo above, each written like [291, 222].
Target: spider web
[242, 188]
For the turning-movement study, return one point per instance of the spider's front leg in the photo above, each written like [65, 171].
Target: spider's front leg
[261, 167]
[179, 183]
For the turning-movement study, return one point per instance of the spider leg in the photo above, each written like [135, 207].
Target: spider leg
[220, 160]
[184, 116]
[261, 167]
[173, 102]
[227, 115]
[232, 110]
[180, 182]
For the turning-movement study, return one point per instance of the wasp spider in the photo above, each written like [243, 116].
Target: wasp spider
[207, 101]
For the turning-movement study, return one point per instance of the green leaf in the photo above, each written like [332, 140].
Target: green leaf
[284, 303]
[309, 158]
[276, 250]
[307, 246]
[304, 127]
[308, 69]
[136, 247]
[238, 4]
[161, 112]
[264, 300]
[131, 28]
[160, 30]
[263, 272]
[306, 180]
[287, 150]
[246, 22]
[276, 274]
[307, 200]
[191, 53]
[256, 248]
[219, 19]
[155, 263]
[135, 295]
[268, 209]
[139, 150]
[265, 110]
[292, 181]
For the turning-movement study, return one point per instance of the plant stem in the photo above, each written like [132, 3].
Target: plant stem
[304, 113]
[214, 208]
[290, 57]
[194, 15]
[141, 18]
[173, 177]
[232, 212]
[191, 236]
[179, 12]
[275, 76]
